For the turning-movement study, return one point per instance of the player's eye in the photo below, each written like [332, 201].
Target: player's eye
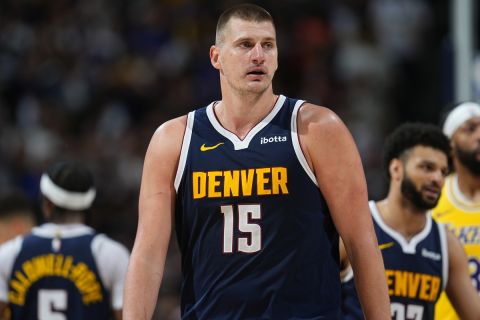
[268, 45]
[246, 44]
[426, 167]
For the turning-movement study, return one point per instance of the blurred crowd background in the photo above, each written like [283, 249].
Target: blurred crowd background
[92, 79]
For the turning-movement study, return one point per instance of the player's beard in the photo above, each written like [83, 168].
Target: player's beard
[469, 159]
[410, 192]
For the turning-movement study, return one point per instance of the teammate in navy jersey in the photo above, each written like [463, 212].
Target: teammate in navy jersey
[63, 269]
[258, 186]
[421, 257]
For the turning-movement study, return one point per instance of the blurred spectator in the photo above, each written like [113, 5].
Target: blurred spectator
[17, 216]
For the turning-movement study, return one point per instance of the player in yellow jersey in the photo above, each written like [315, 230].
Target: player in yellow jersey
[459, 205]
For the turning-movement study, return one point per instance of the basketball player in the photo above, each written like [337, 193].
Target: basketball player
[257, 186]
[421, 257]
[459, 205]
[17, 216]
[63, 269]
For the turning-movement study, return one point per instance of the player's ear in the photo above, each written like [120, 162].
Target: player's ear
[452, 146]
[396, 169]
[215, 57]
[47, 208]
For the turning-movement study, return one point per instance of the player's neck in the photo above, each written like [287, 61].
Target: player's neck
[402, 216]
[468, 184]
[240, 113]
[69, 218]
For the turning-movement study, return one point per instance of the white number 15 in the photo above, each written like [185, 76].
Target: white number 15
[246, 213]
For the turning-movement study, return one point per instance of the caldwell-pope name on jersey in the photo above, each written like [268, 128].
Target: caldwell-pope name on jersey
[235, 183]
[55, 265]
[413, 285]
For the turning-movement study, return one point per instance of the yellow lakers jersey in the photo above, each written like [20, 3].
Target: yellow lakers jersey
[463, 218]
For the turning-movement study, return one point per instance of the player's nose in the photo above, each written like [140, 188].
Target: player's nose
[258, 54]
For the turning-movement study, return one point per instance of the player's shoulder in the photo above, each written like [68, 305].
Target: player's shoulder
[168, 137]
[103, 243]
[11, 247]
[110, 255]
[8, 254]
[324, 118]
[321, 124]
[175, 126]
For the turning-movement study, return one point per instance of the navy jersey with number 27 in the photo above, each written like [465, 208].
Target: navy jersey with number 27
[416, 270]
[256, 236]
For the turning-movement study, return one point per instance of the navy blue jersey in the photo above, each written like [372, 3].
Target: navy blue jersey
[256, 236]
[351, 308]
[57, 279]
[416, 270]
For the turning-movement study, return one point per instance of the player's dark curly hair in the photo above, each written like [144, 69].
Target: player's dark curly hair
[409, 135]
[71, 176]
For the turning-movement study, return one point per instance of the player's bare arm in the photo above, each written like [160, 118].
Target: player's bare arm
[333, 156]
[156, 209]
[459, 289]
[117, 314]
[3, 307]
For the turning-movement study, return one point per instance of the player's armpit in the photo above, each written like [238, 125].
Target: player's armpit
[117, 314]
[4, 312]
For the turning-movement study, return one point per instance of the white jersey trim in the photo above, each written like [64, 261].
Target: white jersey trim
[8, 253]
[184, 151]
[50, 230]
[112, 262]
[296, 143]
[408, 247]
[444, 248]
[243, 144]
[457, 198]
[346, 275]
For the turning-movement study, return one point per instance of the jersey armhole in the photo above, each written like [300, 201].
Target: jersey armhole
[296, 143]
[184, 151]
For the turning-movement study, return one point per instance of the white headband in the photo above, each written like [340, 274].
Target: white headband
[66, 199]
[459, 116]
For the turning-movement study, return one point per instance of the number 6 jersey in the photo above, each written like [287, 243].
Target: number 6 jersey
[256, 235]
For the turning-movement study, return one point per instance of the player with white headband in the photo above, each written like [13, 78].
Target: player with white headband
[459, 205]
[63, 269]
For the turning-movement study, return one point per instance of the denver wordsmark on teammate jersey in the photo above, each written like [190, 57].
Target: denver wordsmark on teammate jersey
[235, 183]
[55, 265]
[413, 285]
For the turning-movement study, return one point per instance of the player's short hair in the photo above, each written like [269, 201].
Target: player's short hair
[409, 135]
[16, 203]
[246, 11]
[69, 186]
